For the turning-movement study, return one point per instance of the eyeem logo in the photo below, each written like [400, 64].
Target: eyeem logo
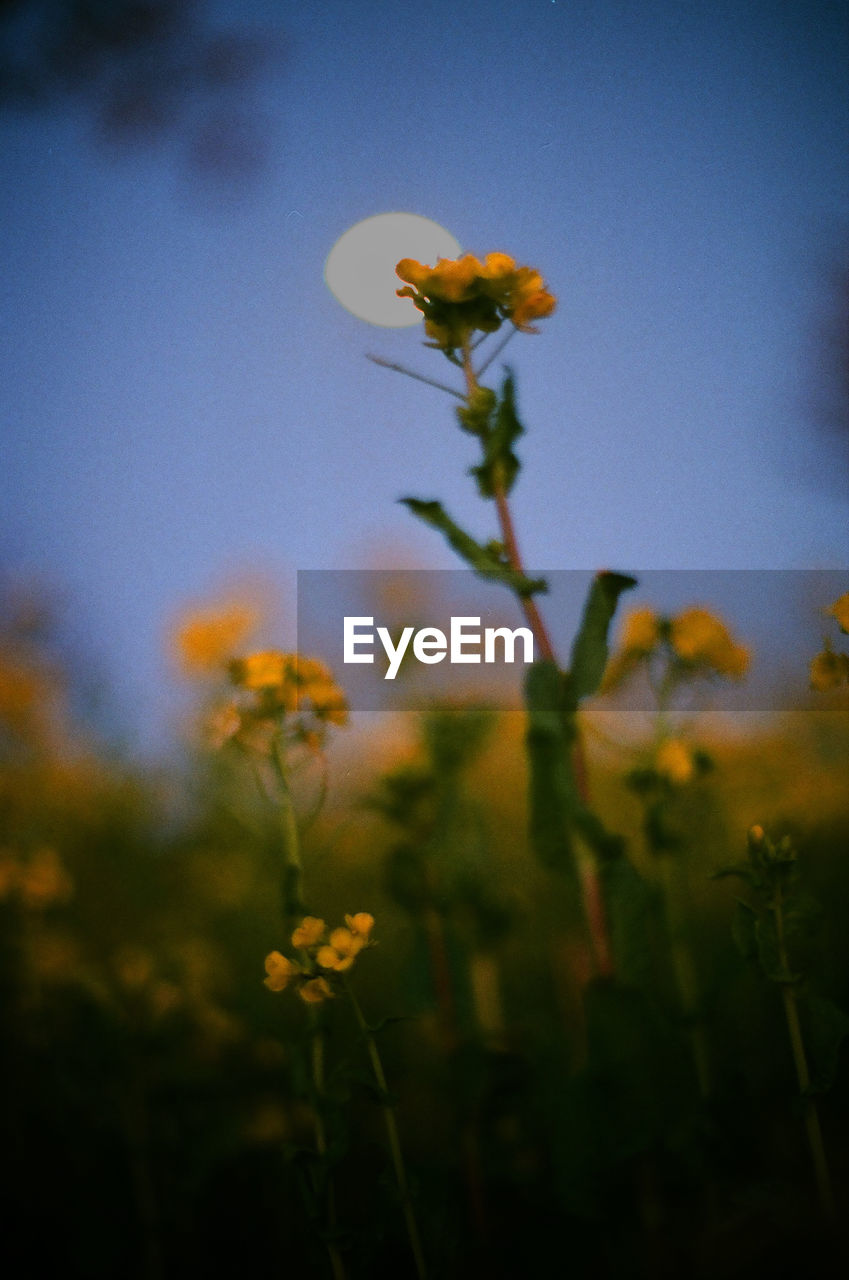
[430, 645]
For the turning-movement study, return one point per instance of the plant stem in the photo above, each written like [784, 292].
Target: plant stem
[797, 1044]
[593, 897]
[293, 906]
[317, 1063]
[393, 1137]
[685, 977]
[420, 377]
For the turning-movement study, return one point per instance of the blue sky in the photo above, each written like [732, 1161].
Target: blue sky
[184, 402]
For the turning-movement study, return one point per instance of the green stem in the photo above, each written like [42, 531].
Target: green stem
[420, 377]
[809, 1107]
[317, 1063]
[593, 898]
[293, 905]
[393, 1137]
[685, 977]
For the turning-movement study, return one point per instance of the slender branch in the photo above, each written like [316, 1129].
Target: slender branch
[393, 1137]
[496, 351]
[420, 377]
[803, 1075]
[317, 1063]
[293, 905]
[593, 897]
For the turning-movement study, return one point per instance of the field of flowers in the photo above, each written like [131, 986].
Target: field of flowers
[449, 992]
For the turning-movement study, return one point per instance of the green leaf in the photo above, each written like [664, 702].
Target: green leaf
[556, 808]
[742, 870]
[484, 560]
[553, 797]
[475, 416]
[589, 650]
[500, 465]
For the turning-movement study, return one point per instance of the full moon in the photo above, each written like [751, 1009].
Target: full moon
[360, 268]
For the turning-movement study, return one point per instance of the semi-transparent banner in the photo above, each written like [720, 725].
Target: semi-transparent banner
[735, 640]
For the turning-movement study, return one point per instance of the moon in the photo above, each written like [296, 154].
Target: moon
[360, 268]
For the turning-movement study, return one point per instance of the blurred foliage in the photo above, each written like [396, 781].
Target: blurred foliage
[145, 70]
[156, 1110]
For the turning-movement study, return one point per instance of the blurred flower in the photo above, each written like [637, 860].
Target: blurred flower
[133, 967]
[43, 881]
[309, 932]
[641, 632]
[840, 610]
[207, 639]
[699, 637]
[828, 670]
[674, 761]
[222, 724]
[291, 683]
[280, 971]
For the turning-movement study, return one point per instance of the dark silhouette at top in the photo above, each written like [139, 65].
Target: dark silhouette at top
[146, 70]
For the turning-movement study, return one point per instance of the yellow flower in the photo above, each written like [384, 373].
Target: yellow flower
[260, 671]
[43, 880]
[641, 632]
[360, 924]
[309, 932]
[345, 946]
[280, 971]
[840, 611]
[315, 991]
[459, 296]
[207, 639]
[828, 670]
[674, 761]
[451, 280]
[698, 636]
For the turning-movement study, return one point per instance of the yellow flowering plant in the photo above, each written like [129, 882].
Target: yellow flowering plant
[321, 958]
[830, 667]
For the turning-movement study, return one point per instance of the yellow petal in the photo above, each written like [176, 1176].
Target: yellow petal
[840, 611]
[308, 932]
[315, 991]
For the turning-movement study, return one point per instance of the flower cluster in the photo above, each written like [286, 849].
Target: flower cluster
[462, 295]
[829, 668]
[322, 959]
[695, 642]
[271, 684]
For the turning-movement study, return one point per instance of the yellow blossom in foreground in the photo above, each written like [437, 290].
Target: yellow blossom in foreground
[698, 636]
[674, 761]
[828, 670]
[207, 639]
[280, 971]
[840, 610]
[315, 991]
[309, 932]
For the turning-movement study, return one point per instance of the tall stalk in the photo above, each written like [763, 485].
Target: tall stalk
[393, 1137]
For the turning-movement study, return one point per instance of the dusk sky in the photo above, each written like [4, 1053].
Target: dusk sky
[185, 404]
